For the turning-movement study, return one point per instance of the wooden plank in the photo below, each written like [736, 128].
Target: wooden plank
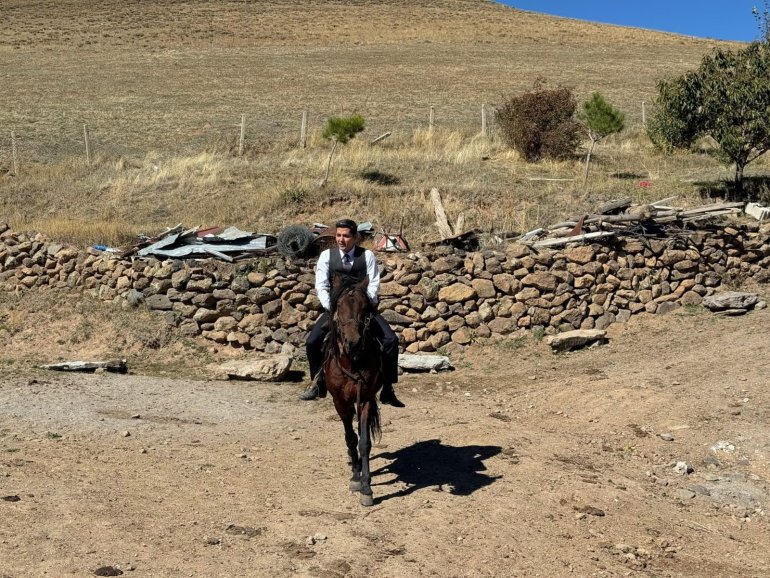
[382, 137]
[710, 208]
[459, 223]
[531, 234]
[441, 221]
[562, 225]
[662, 202]
[710, 215]
[575, 239]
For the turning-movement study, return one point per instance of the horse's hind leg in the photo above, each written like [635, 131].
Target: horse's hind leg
[364, 448]
[351, 439]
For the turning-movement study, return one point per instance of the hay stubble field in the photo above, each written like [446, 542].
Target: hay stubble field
[162, 87]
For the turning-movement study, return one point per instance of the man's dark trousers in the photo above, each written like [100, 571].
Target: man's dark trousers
[315, 339]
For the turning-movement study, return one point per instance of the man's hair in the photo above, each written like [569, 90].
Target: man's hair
[347, 224]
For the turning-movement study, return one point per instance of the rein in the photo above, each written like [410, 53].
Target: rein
[356, 377]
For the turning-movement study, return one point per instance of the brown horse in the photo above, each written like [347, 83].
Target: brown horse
[353, 369]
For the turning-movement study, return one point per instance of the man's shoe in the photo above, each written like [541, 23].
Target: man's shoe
[310, 393]
[388, 396]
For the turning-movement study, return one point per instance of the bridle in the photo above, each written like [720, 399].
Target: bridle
[343, 322]
[364, 325]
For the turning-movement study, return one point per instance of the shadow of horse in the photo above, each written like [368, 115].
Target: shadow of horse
[431, 464]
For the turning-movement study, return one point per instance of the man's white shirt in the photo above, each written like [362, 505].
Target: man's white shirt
[322, 275]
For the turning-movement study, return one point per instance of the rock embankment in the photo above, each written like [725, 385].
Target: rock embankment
[440, 300]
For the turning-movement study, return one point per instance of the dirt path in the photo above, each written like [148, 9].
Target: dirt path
[520, 463]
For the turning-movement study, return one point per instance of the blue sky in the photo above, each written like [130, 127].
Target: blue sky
[722, 19]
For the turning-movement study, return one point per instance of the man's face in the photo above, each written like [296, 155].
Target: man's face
[346, 239]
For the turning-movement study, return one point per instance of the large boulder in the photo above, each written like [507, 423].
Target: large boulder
[574, 339]
[423, 362]
[730, 300]
[259, 367]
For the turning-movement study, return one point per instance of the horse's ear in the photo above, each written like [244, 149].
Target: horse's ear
[337, 281]
[364, 283]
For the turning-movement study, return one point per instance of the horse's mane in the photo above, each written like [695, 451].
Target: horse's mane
[336, 292]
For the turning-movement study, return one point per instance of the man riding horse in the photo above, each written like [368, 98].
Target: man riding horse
[354, 263]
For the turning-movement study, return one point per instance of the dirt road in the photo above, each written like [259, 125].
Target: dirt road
[519, 463]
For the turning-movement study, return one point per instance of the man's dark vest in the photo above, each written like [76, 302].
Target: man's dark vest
[356, 273]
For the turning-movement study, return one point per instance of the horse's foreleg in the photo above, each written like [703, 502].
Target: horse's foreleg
[351, 439]
[364, 448]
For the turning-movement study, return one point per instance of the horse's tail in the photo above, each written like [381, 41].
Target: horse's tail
[375, 431]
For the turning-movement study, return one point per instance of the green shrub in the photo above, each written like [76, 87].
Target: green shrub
[293, 195]
[339, 130]
[601, 119]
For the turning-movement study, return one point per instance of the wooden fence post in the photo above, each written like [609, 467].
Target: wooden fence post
[483, 120]
[14, 156]
[88, 144]
[303, 130]
[243, 135]
[431, 118]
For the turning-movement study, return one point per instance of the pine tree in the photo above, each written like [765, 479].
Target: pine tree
[340, 130]
[601, 119]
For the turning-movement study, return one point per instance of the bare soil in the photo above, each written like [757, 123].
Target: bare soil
[518, 463]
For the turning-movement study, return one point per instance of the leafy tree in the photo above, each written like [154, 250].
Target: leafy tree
[540, 123]
[340, 130]
[726, 98]
[762, 19]
[601, 119]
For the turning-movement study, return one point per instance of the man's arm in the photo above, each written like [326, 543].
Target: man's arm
[373, 271]
[322, 280]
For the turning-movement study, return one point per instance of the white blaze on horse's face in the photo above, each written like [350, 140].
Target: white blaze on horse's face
[345, 238]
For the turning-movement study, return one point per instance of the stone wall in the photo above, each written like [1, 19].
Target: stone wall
[444, 299]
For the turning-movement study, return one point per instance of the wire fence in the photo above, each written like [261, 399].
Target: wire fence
[186, 135]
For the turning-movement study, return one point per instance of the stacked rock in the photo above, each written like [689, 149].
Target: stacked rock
[444, 299]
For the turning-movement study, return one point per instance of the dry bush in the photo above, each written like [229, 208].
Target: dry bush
[540, 123]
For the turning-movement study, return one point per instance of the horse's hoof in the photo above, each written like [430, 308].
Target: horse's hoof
[355, 486]
[367, 500]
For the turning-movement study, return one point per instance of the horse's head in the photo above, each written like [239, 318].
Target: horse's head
[352, 313]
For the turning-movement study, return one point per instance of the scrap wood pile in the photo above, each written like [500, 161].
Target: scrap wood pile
[620, 218]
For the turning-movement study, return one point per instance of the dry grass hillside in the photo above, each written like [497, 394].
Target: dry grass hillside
[162, 87]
